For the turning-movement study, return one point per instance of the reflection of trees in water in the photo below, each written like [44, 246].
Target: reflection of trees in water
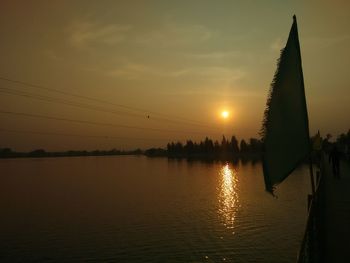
[228, 196]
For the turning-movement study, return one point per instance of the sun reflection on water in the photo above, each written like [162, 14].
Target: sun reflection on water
[228, 197]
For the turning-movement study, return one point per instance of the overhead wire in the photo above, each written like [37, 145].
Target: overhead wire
[100, 100]
[131, 112]
[90, 107]
[77, 135]
[23, 114]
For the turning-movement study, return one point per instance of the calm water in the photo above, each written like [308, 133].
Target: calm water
[136, 209]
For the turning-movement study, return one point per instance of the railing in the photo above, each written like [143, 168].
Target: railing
[311, 246]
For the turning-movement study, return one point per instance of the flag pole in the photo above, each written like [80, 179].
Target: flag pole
[311, 175]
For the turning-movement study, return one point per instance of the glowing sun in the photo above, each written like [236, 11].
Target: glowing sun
[225, 114]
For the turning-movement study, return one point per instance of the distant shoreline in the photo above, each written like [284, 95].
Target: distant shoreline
[151, 153]
[8, 153]
[220, 156]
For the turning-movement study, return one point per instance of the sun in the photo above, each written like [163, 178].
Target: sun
[225, 114]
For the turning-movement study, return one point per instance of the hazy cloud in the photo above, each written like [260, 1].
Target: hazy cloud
[324, 42]
[211, 72]
[172, 34]
[135, 70]
[277, 44]
[217, 92]
[217, 55]
[85, 34]
[52, 55]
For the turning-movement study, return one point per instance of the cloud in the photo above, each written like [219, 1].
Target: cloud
[173, 34]
[227, 92]
[220, 57]
[325, 42]
[211, 72]
[217, 55]
[88, 34]
[85, 34]
[277, 44]
[51, 54]
[136, 71]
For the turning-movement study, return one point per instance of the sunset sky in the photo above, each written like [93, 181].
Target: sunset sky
[161, 71]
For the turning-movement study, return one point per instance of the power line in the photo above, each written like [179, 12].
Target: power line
[95, 123]
[88, 106]
[78, 135]
[99, 100]
[64, 101]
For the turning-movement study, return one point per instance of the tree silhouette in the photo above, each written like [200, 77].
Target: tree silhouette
[255, 145]
[208, 145]
[224, 144]
[243, 146]
[234, 145]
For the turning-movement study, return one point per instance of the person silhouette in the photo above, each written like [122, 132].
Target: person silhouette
[334, 158]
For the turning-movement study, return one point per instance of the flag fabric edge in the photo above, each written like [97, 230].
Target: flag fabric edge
[293, 36]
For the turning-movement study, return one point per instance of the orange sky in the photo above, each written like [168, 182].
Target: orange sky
[179, 62]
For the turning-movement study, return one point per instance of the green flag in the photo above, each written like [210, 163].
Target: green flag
[285, 131]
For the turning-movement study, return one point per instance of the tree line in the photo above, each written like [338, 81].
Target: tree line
[9, 153]
[226, 147]
[208, 146]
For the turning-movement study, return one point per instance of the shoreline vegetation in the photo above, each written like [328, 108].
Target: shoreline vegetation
[207, 149]
[211, 150]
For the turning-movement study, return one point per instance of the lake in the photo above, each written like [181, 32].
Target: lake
[139, 209]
